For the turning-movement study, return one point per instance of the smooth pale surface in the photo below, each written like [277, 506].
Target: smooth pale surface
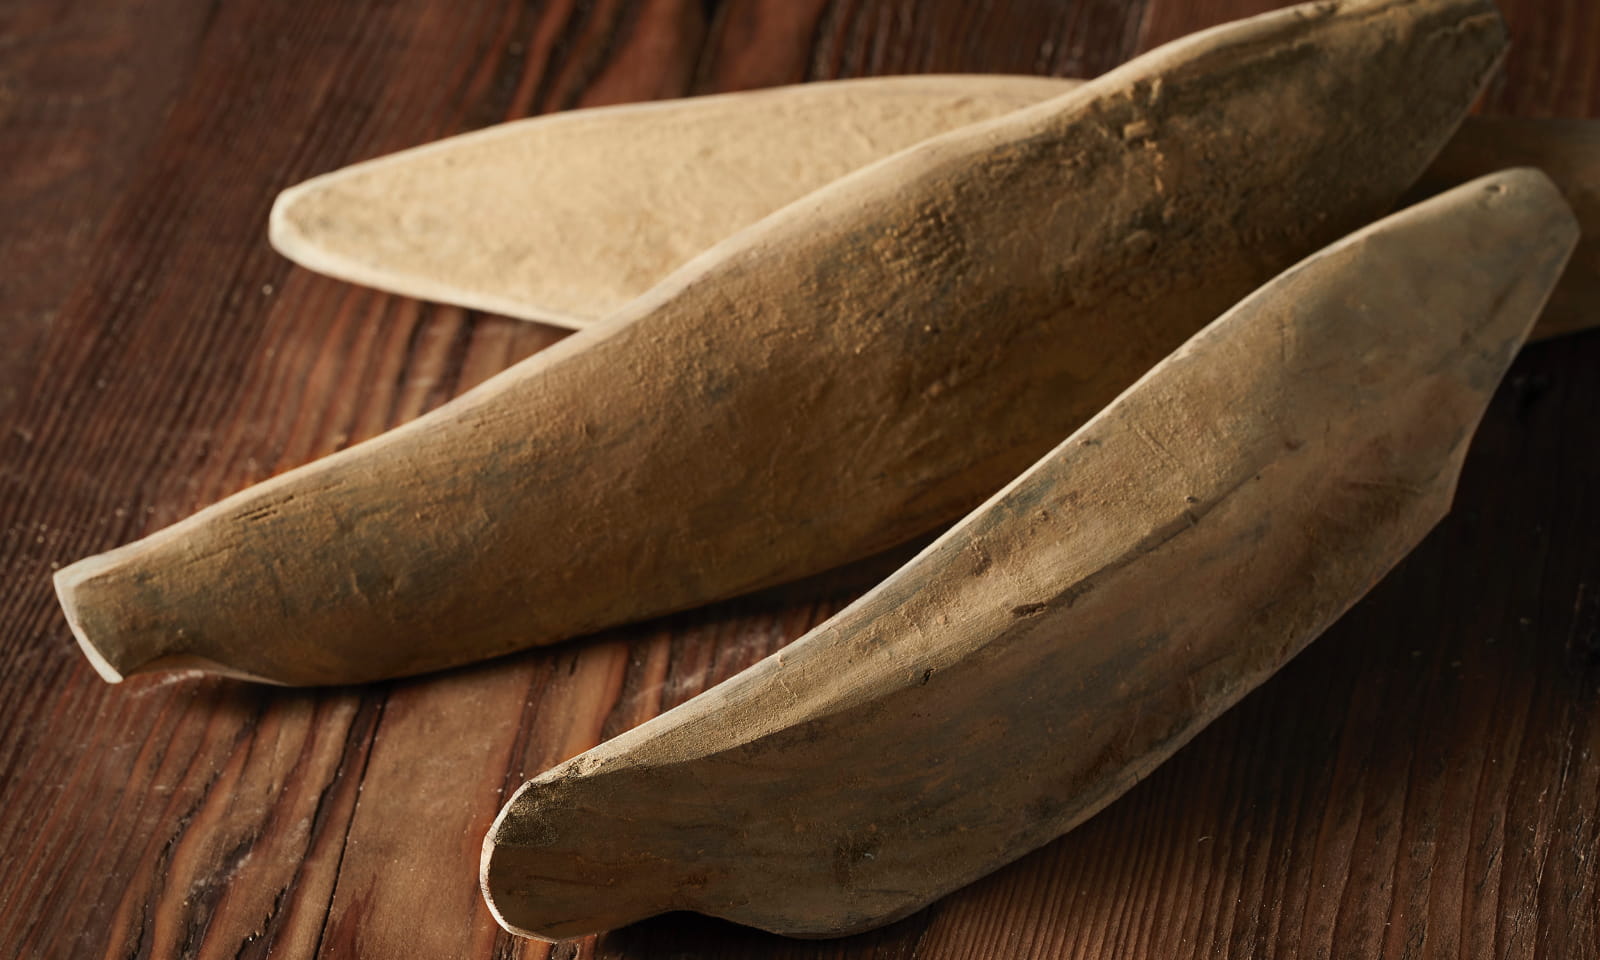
[1060, 642]
[565, 218]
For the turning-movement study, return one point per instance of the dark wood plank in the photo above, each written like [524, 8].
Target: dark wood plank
[83, 90]
[1423, 782]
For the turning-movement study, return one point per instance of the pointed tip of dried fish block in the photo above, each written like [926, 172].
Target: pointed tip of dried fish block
[66, 581]
[1319, 426]
[1569, 152]
[306, 216]
[1510, 224]
[489, 872]
[564, 218]
[1460, 24]
[1528, 192]
[95, 598]
[568, 884]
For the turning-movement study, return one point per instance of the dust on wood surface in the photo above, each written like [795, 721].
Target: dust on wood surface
[1424, 781]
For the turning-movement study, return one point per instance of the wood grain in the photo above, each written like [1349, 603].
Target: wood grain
[1423, 782]
[83, 89]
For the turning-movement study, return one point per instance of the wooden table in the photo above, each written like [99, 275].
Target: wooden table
[1424, 782]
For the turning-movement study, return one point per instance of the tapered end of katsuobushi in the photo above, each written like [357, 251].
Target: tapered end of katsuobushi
[1068, 636]
[564, 218]
[114, 605]
[118, 657]
[850, 372]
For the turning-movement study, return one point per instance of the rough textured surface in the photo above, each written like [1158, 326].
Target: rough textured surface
[1056, 645]
[982, 294]
[1422, 781]
[564, 219]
